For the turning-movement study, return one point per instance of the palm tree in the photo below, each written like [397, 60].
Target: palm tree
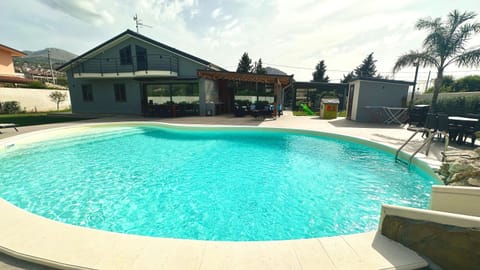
[444, 45]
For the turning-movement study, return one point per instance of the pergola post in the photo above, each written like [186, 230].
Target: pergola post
[277, 88]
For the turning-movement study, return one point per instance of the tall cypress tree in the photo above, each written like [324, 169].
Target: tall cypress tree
[245, 64]
[367, 69]
[347, 78]
[259, 69]
[319, 74]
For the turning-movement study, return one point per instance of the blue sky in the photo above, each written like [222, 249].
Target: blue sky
[290, 35]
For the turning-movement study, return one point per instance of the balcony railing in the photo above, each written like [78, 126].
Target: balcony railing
[149, 65]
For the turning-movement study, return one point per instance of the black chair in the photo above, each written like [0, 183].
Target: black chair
[469, 132]
[431, 124]
[417, 115]
[239, 111]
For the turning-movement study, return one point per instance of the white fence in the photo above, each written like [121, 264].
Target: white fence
[33, 100]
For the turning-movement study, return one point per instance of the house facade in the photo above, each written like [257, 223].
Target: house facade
[7, 69]
[134, 75]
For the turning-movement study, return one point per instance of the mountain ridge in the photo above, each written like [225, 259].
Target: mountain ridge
[56, 54]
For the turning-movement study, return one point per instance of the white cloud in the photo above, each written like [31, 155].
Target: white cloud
[216, 13]
[81, 9]
[283, 32]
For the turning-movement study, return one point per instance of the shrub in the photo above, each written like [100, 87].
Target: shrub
[456, 105]
[36, 84]
[468, 83]
[10, 107]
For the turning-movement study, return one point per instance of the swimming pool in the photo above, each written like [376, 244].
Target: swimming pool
[207, 183]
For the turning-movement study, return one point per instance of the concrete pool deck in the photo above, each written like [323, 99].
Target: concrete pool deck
[34, 238]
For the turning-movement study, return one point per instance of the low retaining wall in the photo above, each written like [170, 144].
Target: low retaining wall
[33, 100]
[449, 240]
[459, 200]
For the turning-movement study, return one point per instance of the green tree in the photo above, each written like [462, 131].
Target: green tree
[245, 64]
[319, 74]
[367, 69]
[347, 78]
[444, 45]
[58, 97]
[259, 69]
[468, 83]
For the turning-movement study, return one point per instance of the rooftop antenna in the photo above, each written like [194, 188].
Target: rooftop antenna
[138, 23]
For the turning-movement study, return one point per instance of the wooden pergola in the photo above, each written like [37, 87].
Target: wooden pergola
[245, 77]
[279, 82]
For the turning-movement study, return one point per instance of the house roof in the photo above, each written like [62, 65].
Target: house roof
[12, 51]
[14, 79]
[246, 77]
[381, 80]
[129, 33]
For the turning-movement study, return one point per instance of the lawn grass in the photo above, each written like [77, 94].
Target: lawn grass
[29, 119]
[304, 113]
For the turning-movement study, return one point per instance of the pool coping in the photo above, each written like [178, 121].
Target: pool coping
[37, 239]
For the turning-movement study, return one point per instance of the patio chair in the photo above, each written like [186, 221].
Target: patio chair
[417, 115]
[471, 132]
[8, 125]
[442, 125]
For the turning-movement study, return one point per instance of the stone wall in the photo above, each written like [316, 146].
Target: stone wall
[449, 247]
[461, 168]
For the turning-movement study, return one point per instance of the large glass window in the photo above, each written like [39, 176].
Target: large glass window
[141, 58]
[87, 92]
[185, 93]
[158, 93]
[250, 92]
[126, 55]
[177, 93]
[120, 92]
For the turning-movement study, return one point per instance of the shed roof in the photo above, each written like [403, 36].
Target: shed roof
[381, 80]
[331, 100]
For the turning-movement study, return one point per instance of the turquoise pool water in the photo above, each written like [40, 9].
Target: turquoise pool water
[209, 184]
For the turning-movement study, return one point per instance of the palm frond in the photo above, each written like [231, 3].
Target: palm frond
[468, 59]
[460, 37]
[428, 23]
[455, 18]
[412, 58]
[436, 42]
[458, 31]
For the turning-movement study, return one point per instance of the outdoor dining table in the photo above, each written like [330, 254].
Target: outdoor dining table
[463, 123]
[392, 114]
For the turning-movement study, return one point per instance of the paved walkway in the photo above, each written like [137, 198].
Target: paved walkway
[361, 251]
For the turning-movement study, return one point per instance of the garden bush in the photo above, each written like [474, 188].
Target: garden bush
[9, 107]
[36, 84]
[456, 105]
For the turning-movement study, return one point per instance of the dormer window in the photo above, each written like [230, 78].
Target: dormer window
[126, 55]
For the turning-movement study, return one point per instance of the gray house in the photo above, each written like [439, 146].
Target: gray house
[369, 98]
[133, 74]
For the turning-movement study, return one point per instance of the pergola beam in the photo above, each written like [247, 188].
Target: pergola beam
[245, 77]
